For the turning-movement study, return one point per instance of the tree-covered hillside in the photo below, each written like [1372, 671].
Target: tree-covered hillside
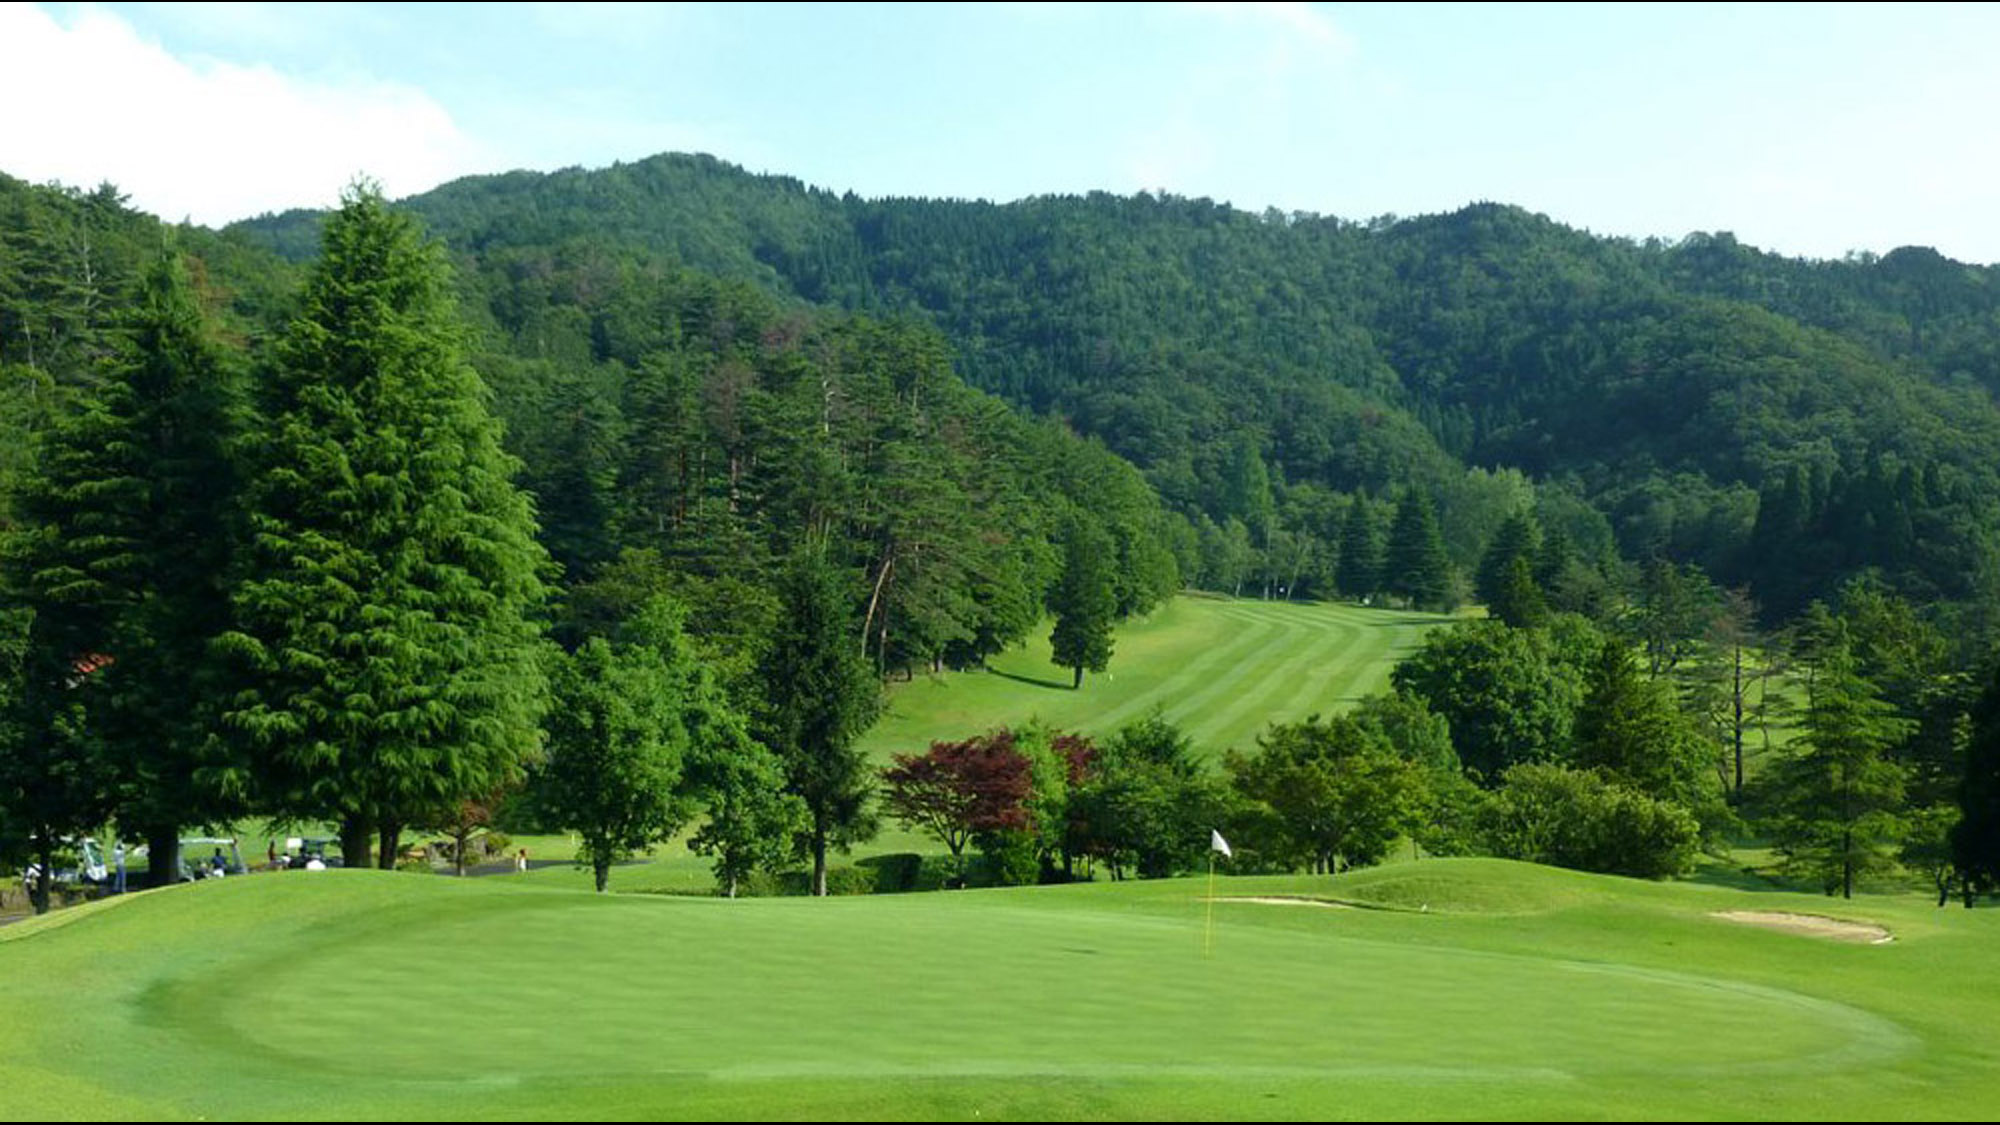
[1781, 422]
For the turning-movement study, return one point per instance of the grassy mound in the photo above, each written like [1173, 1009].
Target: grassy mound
[1470, 886]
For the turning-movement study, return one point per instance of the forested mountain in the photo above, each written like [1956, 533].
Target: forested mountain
[1784, 423]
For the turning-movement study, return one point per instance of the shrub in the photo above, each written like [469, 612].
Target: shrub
[1575, 818]
[850, 881]
[894, 874]
[1007, 859]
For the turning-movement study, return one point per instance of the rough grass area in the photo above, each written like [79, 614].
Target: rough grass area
[1536, 993]
[1221, 669]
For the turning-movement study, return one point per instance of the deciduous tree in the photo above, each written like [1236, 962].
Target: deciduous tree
[629, 717]
[957, 790]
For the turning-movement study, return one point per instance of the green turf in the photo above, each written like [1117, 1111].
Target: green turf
[1471, 988]
[1222, 669]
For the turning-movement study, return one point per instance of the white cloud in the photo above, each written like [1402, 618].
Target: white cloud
[1301, 24]
[90, 101]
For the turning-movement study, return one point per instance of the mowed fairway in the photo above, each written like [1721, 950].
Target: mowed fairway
[1221, 669]
[1475, 988]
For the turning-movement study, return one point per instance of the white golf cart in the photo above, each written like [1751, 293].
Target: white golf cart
[194, 865]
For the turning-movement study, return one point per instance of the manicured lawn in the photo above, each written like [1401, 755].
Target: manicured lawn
[1473, 988]
[1221, 669]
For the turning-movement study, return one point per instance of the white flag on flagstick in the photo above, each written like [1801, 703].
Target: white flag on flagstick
[1217, 844]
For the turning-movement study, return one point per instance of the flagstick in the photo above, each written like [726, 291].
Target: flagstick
[1208, 931]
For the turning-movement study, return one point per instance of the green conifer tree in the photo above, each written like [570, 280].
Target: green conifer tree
[1417, 567]
[1630, 727]
[1518, 538]
[1975, 840]
[1083, 601]
[819, 696]
[1838, 794]
[387, 606]
[124, 565]
[1360, 571]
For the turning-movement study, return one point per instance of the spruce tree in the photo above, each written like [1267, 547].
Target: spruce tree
[1518, 601]
[386, 606]
[1083, 601]
[819, 697]
[123, 566]
[1417, 567]
[1630, 727]
[1517, 539]
[1360, 571]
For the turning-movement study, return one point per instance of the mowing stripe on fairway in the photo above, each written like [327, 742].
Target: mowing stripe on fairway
[1192, 686]
[1306, 652]
[1221, 669]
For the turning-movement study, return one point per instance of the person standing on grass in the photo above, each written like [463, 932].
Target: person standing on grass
[521, 862]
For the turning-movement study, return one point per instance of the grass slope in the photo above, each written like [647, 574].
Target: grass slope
[1477, 988]
[1221, 669]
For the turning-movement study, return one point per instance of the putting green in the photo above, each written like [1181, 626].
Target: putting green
[1494, 989]
[787, 988]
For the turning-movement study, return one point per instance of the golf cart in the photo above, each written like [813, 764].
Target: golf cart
[79, 862]
[302, 852]
[214, 866]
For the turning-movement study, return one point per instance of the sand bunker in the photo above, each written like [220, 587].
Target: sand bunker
[1286, 900]
[1809, 925]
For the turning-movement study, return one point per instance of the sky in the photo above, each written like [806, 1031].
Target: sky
[1809, 130]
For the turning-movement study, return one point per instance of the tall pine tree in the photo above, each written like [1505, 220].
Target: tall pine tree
[387, 604]
[1360, 571]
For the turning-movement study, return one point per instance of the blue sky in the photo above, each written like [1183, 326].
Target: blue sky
[1810, 130]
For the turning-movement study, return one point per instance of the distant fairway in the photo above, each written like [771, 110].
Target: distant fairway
[1481, 988]
[1221, 669]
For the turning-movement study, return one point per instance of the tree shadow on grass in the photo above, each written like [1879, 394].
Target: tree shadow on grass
[1716, 873]
[1053, 685]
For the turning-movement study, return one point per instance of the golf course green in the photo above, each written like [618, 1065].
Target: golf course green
[1442, 988]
